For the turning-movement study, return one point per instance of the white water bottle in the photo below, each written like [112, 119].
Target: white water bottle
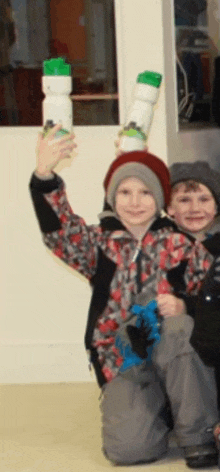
[134, 135]
[57, 86]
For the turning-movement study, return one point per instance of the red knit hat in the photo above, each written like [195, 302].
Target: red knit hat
[143, 165]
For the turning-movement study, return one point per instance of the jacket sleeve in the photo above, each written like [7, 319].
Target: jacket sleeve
[190, 302]
[188, 262]
[64, 233]
[199, 262]
[206, 333]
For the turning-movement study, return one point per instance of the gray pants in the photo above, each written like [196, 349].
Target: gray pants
[134, 426]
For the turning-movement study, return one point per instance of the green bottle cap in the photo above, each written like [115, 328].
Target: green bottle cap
[133, 133]
[150, 78]
[56, 66]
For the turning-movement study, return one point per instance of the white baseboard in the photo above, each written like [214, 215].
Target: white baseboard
[48, 362]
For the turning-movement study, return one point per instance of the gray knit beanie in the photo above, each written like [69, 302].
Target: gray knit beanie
[144, 166]
[201, 172]
[141, 172]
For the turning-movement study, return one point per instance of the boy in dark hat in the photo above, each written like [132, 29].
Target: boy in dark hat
[131, 246]
[195, 207]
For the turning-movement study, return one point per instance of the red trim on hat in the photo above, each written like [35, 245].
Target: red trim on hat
[149, 160]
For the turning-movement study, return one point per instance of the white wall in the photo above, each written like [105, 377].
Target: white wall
[140, 42]
[44, 304]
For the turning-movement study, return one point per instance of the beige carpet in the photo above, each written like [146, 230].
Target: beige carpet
[56, 428]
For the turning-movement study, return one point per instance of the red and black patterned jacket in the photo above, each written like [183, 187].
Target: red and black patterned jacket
[106, 254]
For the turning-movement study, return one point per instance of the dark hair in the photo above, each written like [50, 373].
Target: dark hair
[188, 186]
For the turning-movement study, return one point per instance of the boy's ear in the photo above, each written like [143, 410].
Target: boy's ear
[170, 210]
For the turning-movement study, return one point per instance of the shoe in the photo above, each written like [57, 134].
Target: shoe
[201, 456]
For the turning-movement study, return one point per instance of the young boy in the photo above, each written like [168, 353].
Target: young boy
[195, 206]
[131, 246]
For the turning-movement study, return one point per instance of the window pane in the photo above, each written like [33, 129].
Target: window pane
[197, 66]
[80, 31]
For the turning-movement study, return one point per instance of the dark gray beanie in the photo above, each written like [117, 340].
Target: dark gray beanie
[201, 172]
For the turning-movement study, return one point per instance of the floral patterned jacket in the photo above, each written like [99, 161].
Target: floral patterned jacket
[115, 264]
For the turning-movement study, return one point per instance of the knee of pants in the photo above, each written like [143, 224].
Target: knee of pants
[130, 445]
[122, 443]
[132, 420]
[133, 453]
[123, 455]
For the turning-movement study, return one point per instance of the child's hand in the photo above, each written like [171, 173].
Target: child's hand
[169, 305]
[51, 150]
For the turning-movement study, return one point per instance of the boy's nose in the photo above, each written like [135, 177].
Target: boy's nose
[135, 199]
[195, 206]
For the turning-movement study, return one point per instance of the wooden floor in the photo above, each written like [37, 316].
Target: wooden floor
[56, 428]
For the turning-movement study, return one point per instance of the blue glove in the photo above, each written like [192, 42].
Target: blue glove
[137, 338]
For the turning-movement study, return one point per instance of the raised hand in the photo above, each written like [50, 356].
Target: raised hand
[51, 150]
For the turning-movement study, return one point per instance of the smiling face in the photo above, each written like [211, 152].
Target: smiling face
[193, 209]
[135, 205]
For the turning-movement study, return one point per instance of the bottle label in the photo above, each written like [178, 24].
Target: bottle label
[50, 124]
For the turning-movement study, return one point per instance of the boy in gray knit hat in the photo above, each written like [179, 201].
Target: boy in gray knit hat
[131, 246]
[195, 206]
